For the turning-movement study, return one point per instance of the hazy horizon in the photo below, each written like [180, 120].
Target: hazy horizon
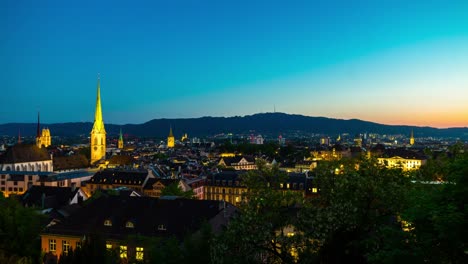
[162, 118]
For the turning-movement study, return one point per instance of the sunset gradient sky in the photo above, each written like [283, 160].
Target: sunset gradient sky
[392, 62]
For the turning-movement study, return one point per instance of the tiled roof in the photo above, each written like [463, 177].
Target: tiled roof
[125, 177]
[24, 153]
[70, 162]
[121, 160]
[403, 153]
[165, 182]
[54, 197]
[149, 216]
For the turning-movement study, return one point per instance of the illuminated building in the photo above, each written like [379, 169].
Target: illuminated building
[224, 186]
[115, 178]
[43, 138]
[184, 138]
[98, 133]
[21, 166]
[325, 141]
[402, 158]
[227, 186]
[358, 141]
[170, 139]
[125, 223]
[238, 163]
[140, 181]
[120, 143]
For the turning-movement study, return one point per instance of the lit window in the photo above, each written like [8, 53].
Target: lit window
[290, 234]
[161, 227]
[108, 246]
[65, 246]
[287, 185]
[52, 245]
[123, 251]
[314, 190]
[139, 253]
[108, 222]
[129, 224]
[281, 185]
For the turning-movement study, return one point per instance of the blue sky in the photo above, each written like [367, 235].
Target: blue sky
[394, 62]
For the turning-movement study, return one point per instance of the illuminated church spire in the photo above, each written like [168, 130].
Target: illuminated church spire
[411, 141]
[120, 142]
[98, 122]
[98, 134]
[170, 139]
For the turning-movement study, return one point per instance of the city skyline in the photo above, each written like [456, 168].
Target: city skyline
[390, 62]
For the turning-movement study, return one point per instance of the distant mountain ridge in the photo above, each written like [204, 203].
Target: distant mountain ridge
[263, 123]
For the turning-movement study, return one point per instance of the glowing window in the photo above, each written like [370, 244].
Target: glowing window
[123, 251]
[109, 246]
[287, 185]
[139, 253]
[52, 245]
[314, 190]
[108, 222]
[65, 246]
[129, 224]
[161, 227]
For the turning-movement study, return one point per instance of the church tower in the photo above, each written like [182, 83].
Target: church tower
[120, 142]
[170, 139]
[411, 140]
[98, 134]
[42, 139]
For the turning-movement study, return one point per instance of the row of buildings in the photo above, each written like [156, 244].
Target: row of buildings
[130, 186]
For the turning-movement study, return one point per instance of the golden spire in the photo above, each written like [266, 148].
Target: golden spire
[170, 132]
[412, 138]
[98, 122]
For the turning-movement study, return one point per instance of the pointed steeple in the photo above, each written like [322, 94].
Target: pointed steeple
[412, 138]
[170, 132]
[98, 134]
[121, 136]
[98, 122]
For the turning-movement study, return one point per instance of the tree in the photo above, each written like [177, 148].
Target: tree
[174, 189]
[19, 232]
[259, 232]
[356, 212]
[438, 213]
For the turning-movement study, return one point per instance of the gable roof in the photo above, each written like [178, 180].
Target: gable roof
[178, 217]
[125, 177]
[52, 197]
[24, 153]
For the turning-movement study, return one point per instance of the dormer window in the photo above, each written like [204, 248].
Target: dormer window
[107, 222]
[161, 227]
[129, 224]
